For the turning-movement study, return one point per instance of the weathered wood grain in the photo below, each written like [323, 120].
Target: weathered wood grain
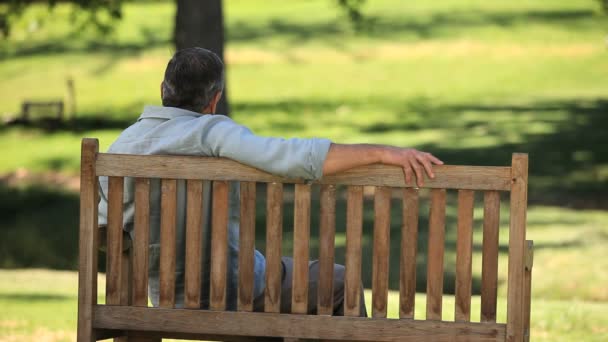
[517, 237]
[114, 240]
[528, 288]
[352, 272]
[409, 250]
[301, 237]
[246, 247]
[219, 246]
[446, 176]
[292, 326]
[382, 228]
[194, 243]
[464, 246]
[434, 273]
[168, 221]
[87, 241]
[327, 234]
[141, 241]
[489, 267]
[274, 233]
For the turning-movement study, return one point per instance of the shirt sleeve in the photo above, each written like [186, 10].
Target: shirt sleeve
[296, 158]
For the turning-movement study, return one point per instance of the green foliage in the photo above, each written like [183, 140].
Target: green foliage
[101, 15]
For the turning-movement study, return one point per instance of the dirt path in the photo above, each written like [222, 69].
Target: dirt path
[53, 179]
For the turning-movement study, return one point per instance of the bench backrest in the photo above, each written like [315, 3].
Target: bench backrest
[386, 179]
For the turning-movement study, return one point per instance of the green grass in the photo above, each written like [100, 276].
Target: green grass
[35, 312]
[471, 81]
[570, 299]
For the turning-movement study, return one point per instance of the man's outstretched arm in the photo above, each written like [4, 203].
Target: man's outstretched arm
[341, 157]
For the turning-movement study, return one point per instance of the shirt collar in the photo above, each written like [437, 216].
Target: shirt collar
[167, 113]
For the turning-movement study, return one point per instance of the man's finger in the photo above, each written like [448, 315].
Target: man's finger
[427, 165]
[419, 173]
[435, 160]
[408, 174]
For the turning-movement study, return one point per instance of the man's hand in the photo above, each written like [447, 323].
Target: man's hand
[343, 157]
[412, 161]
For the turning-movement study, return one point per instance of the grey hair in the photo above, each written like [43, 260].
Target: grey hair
[192, 78]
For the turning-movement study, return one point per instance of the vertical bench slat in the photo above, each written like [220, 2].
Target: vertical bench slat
[489, 268]
[168, 203]
[434, 274]
[141, 241]
[114, 241]
[301, 237]
[352, 272]
[126, 288]
[382, 213]
[517, 237]
[409, 249]
[274, 232]
[464, 246]
[327, 232]
[87, 240]
[219, 246]
[246, 248]
[194, 241]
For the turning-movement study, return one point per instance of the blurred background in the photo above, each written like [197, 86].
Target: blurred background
[469, 80]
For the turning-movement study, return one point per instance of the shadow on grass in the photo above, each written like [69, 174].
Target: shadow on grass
[420, 26]
[441, 24]
[39, 227]
[568, 156]
[34, 297]
[77, 125]
[565, 164]
[40, 223]
[75, 42]
[116, 118]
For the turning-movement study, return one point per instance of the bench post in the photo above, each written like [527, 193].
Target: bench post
[517, 237]
[528, 288]
[88, 241]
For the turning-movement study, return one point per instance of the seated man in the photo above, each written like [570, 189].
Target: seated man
[186, 124]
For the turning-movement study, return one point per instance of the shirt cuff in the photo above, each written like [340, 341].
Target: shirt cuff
[317, 156]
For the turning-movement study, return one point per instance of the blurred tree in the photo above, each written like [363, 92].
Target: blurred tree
[197, 23]
[201, 23]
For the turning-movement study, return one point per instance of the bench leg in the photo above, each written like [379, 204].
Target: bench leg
[529, 260]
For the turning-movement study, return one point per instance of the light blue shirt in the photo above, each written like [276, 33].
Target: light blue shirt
[168, 130]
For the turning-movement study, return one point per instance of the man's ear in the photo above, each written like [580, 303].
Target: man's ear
[212, 106]
[216, 99]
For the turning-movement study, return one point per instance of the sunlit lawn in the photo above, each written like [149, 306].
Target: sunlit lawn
[471, 86]
[471, 81]
[40, 305]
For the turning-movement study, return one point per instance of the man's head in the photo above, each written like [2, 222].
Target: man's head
[194, 80]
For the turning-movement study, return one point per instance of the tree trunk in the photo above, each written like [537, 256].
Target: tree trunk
[201, 23]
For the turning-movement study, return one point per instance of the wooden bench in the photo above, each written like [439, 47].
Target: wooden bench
[127, 317]
[44, 109]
